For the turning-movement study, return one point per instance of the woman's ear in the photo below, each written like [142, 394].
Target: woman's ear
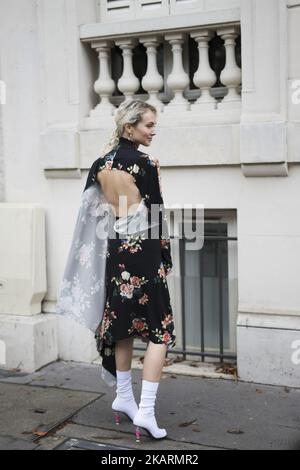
[127, 128]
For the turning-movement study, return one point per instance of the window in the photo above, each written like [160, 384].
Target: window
[209, 293]
[118, 10]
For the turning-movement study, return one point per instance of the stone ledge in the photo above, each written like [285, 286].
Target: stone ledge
[28, 342]
[184, 368]
[94, 31]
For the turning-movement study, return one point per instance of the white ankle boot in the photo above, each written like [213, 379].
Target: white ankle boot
[145, 417]
[124, 401]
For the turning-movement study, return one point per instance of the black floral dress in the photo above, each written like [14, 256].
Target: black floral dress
[137, 296]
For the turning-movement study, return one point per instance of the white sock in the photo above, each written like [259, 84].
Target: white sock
[145, 416]
[148, 397]
[124, 385]
[124, 400]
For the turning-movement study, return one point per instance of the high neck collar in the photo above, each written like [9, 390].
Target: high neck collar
[128, 142]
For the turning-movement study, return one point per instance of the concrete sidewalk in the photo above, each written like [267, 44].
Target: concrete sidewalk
[67, 405]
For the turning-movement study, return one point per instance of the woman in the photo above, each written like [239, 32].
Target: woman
[134, 300]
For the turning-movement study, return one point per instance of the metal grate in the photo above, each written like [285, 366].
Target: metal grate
[215, 236]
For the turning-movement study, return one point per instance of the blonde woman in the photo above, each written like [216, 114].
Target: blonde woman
[136, 302]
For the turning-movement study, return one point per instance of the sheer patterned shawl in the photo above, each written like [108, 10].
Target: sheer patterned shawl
[82, 293]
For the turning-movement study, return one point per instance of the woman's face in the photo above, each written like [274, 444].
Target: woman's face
[144, 131]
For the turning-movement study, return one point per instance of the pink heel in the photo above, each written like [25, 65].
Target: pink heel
[117, 418]
[137, 434]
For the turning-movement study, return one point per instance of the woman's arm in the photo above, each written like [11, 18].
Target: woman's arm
[164, 233]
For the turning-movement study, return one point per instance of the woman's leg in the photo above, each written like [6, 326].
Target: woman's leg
[154, 360]
[123, 354]
[153, 363]
[124, 400]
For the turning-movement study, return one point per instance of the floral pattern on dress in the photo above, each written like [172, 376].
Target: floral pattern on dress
[107, 165]
[132, 243]
[135, 170]
[166, 334]
[161, 275]
[140, 327]
[165, 246]
[144, 299]
[163, 336]
[128, 286]
[107, 320]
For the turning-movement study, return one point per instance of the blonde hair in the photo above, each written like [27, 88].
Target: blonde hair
[129, 112]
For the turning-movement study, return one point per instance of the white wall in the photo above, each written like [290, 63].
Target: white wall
[293, 78]
[2, 187]
[21, 113]
[35, 101]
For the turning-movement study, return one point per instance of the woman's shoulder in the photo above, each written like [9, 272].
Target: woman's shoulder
[123, 159]
[104, 159]
[151, 161]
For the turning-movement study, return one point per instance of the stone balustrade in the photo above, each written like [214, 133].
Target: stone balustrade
[174, 86]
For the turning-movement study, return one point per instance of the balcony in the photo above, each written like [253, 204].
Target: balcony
[194, 71]
[188, 66]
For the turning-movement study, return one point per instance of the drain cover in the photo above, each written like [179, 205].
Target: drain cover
[83, 444]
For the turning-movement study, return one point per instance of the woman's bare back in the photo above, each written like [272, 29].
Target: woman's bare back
[116, 183]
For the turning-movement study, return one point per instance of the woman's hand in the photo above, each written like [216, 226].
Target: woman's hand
[155, 160]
